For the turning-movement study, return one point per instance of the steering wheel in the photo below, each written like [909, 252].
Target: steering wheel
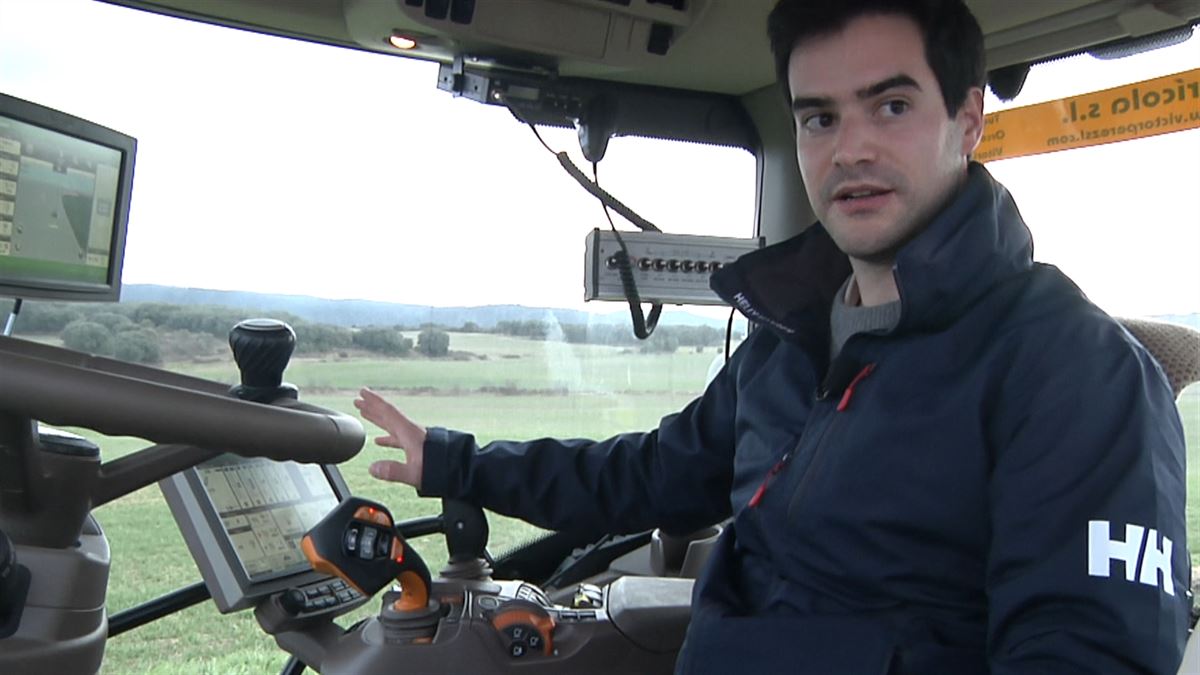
[193, 418]
[49, 486]
[60, 386]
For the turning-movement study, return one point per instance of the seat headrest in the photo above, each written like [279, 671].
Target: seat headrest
[1175, 347]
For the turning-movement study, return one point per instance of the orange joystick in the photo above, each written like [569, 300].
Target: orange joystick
[359, 543]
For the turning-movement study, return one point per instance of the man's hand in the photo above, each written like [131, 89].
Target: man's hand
[402, 433]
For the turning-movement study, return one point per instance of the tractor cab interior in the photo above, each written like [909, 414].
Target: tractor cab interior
[253, 469]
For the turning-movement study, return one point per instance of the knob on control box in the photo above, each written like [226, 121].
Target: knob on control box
[526, 627]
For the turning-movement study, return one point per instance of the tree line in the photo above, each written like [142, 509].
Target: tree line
[135, 332]
[141, 332]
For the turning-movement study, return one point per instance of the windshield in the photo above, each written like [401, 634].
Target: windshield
[269, 167]
[285, 179]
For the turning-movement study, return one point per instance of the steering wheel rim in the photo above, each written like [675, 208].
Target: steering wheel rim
[64, 387]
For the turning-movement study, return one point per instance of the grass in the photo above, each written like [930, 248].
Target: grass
[510, 388]
[499, 363]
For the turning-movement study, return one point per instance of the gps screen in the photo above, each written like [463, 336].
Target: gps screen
[58, 199]
[265, 508]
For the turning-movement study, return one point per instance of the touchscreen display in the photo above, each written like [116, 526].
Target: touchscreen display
[265, 508]
[57, 204]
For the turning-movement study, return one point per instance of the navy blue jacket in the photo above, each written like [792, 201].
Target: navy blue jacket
[996, 485]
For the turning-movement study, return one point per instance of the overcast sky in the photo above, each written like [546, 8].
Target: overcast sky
[277, 166]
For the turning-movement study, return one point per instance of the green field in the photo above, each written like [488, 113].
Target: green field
[499, 388]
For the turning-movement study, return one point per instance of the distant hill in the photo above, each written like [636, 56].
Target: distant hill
[371, 313]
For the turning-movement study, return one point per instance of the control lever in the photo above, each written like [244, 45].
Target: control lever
[262, 349]
[359, 543]
[466, 529]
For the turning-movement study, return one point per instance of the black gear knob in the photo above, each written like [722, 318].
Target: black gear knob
[262, 349]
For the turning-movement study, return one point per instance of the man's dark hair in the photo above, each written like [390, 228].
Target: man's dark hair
[953, 39]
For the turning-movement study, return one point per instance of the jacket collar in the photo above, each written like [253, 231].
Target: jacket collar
[976, 242]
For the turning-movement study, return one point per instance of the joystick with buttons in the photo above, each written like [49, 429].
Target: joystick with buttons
[359, 543]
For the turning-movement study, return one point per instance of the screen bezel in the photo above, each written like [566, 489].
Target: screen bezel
[220, 567]
[90, 132]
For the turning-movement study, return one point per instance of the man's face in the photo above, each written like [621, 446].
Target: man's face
[878, 153]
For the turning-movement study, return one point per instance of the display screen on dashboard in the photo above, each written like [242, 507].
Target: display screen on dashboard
[265, 507]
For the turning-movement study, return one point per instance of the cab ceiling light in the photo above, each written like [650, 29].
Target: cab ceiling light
[402, 42]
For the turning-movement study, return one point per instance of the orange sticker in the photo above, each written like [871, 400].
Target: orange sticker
[1139, 110]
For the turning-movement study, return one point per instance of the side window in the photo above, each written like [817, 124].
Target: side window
[1121, 218]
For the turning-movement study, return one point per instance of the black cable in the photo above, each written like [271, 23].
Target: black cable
[643, 326]
[540, 139]
[554, 579]
[605, 198]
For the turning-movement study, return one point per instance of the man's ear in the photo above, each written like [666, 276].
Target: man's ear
[970, 119]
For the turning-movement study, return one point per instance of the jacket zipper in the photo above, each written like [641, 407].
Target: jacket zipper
[842, 405]
[779, 466]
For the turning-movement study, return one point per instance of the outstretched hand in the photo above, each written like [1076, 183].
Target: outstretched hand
[402, 433]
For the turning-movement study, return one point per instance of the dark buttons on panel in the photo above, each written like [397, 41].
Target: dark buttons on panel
[366, 549]
[462, 11]
[437, 9]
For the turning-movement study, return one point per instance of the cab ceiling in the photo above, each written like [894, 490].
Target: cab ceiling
[706, 45]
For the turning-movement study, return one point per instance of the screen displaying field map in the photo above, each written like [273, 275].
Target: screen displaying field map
[266, 507]
[57, 204]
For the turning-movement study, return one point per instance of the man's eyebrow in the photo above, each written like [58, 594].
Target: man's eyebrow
[870, 91]
[893, 82]
[802, 102]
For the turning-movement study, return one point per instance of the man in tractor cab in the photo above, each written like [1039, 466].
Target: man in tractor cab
[937, 455]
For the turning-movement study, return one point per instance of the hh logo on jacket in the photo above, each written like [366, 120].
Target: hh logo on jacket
[1139, 544]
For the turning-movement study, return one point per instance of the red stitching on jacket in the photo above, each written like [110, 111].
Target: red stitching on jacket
[849, 393]
[762, 488]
